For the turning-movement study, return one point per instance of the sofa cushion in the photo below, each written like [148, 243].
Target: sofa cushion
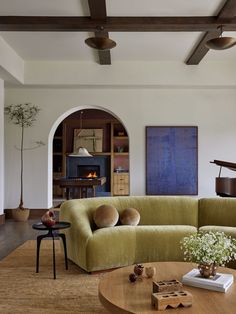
[162, 210]
[106, 216]
[230, 231]
[130, 216]
[217, 212]
[160, 243]
[111, 247]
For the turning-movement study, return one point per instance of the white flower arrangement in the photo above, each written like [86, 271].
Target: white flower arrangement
[209, 248]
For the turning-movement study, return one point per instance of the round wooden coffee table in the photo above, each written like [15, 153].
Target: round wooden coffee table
[118, 295]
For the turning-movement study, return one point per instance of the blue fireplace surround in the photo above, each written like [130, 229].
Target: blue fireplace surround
[104, 163]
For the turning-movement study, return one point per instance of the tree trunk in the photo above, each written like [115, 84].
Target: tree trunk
[21, 167]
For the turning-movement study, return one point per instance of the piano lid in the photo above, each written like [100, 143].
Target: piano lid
[226, 164]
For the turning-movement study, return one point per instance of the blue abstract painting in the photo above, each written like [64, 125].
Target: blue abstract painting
[171, 160]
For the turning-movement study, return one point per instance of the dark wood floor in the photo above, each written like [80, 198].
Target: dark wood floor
[13, 234]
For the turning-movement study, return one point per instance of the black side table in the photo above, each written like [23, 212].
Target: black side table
[58, 226]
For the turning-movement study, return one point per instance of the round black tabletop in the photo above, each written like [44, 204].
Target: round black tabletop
[58, 225]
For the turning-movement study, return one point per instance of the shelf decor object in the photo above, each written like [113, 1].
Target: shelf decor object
[48, 218]
[91, 139]
[171, 160]
[166, 286]
[162, 301]
[169, 293]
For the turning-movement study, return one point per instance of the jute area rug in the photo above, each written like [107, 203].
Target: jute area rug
[24, 291]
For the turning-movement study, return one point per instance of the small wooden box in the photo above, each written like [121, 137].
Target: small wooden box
[173, 299]
[166, 285]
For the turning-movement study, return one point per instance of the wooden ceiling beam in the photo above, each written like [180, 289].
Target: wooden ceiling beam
[98, 12]
[114, 24]
[97, 9]
[225, 16]
[201, 50]
[228, 10]
[103, 55]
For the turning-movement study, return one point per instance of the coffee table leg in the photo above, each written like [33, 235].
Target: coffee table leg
[62, 235]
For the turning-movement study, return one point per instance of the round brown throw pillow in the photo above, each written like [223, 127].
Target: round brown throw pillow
[106, 216]
[130, 216]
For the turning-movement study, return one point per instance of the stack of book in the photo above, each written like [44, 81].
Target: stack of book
[220, 282]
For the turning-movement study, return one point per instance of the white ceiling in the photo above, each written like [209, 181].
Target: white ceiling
[172, 46]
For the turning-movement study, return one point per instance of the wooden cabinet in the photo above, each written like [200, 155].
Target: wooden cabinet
[121, 183]
[120, 160]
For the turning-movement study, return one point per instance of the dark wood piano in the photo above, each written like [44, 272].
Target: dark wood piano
[225, 186]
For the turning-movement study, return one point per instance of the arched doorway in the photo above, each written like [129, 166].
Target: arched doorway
[106, 138]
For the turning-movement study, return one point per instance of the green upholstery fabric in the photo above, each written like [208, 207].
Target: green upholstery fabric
[155, 238]
[231, 231]
[164, 221]
[217, 212]
[111, 247]
[166, 210]
[160, 243]
[78, 235]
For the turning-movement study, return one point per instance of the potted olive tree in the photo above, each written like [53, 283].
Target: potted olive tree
[23, 115]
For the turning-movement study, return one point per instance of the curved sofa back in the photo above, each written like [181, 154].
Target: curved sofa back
[154, 210]
[165, 220]
[217, 212]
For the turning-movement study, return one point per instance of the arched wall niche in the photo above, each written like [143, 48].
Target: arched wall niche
[54, 127]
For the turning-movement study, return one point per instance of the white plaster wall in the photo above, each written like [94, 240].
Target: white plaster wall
[11, 63]
[135, 73]
[212, 110]
[1, 146]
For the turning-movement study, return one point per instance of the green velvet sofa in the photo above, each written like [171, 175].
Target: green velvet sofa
[164, 221]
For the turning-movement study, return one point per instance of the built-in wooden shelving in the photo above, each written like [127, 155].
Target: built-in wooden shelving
[122, 154]
[115, 146]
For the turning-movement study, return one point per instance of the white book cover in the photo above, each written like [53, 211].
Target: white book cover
[220, 282]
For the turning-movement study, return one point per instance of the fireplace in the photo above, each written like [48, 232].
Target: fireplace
[88, 171]
[74, 167]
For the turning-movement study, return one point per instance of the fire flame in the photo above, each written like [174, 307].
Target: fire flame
[92, 175]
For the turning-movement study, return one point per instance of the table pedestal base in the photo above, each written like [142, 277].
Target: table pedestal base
[50, 234]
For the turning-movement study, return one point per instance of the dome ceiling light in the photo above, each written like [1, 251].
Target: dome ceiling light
[100, 43]
[221, 43]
